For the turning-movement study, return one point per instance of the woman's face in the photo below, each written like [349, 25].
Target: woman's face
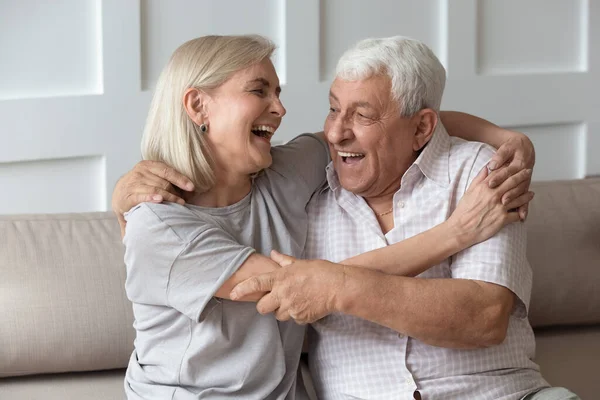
[243, 114]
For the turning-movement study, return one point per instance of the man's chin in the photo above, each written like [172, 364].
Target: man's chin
[352, 185]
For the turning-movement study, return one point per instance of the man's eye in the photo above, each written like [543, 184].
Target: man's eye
[362, 116]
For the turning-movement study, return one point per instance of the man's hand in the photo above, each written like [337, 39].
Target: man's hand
[304, 290]
[516, 154]
[148, 181]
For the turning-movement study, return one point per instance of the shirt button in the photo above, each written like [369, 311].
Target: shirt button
[401, 204]
[408, 381]
[401, 336]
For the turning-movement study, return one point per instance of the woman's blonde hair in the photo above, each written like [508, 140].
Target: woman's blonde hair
[170, 136]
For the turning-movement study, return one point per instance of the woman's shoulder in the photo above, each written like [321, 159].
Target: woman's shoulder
[160, 220]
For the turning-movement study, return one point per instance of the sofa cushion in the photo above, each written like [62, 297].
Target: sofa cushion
[101, 385]
[62, 299]
[563, 233]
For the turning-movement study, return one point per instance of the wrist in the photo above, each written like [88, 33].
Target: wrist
[456, 236]
[342, 297]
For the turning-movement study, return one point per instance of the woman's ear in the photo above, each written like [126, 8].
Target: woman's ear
[427, 120]
[194, 102]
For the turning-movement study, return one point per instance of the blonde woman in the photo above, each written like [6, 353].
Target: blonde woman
[213, 115]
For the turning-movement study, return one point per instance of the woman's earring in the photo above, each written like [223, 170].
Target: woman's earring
[203, 128]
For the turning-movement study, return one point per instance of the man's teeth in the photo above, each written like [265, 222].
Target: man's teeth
[344, 154]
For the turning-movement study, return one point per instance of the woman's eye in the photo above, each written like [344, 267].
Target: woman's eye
[332, 110]
[259, 92]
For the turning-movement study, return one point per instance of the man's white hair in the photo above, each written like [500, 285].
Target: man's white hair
[417, 76]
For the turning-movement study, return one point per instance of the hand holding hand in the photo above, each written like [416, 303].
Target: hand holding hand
[515, 155]
[304, 290]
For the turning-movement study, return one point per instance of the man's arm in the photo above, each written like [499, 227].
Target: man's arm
[148, 181]
[455, 313]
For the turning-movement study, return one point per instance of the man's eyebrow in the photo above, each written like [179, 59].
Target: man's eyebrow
[364, 104]
[264, 82]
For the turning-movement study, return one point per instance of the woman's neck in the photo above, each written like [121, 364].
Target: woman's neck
[228, 190]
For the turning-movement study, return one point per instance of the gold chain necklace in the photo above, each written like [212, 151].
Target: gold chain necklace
[385, 213]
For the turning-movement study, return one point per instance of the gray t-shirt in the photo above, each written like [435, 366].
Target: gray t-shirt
[189, 344]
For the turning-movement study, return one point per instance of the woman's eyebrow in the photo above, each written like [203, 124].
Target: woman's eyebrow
[264, 82]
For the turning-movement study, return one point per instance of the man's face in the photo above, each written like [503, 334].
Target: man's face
[371, 144]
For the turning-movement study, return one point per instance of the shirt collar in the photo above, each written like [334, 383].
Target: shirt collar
[435, 158]
[433, 162]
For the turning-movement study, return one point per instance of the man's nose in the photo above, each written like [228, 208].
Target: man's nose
[337, 131]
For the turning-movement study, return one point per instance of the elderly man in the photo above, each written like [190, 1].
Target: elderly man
[460, 329]
[386, 336]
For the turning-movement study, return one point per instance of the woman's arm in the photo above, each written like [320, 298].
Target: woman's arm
[515, 149]
[254, 265]
[472, 128]
[478, 216]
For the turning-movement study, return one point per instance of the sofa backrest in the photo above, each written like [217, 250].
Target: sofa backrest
[563, 248]
[62, 299]
[63, 305]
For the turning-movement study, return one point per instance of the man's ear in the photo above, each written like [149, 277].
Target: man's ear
[427, 120]
[194, 102]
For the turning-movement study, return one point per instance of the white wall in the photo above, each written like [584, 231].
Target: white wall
[76, 77]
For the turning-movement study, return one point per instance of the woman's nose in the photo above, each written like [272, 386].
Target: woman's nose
[277, 108]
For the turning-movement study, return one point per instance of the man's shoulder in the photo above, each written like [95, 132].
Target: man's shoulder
[466, 158]
[461, 149]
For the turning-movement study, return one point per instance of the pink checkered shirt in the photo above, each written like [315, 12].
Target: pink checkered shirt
[351, 358]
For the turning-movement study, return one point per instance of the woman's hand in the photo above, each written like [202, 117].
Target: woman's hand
[148, 181]
[515, 155]
[481, 212]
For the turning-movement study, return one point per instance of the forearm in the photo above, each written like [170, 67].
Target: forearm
[254, 265]
[472, 128]
[408, 258]
[454, 313]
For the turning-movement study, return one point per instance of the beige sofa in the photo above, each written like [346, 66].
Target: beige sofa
[66, 325]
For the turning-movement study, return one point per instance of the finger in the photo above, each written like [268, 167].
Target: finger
[515, 180]
[170, 174]
[173, 194]
[520, 201]
[282, 259]
[480, 177]
[267, 304]
[523, 211]
[282, 315]
[259, 283]
[521, 189]
[512, 217]
[153, 195]
[498, 176]
[504, 153]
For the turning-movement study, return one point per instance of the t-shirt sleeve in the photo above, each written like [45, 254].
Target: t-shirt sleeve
[202, 267]
[500, 259]
[176, 259]
[302, 162]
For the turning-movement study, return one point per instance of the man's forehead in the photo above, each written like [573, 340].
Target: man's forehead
[361, 93]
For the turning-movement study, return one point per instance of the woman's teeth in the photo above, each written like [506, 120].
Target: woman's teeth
[263, 131]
